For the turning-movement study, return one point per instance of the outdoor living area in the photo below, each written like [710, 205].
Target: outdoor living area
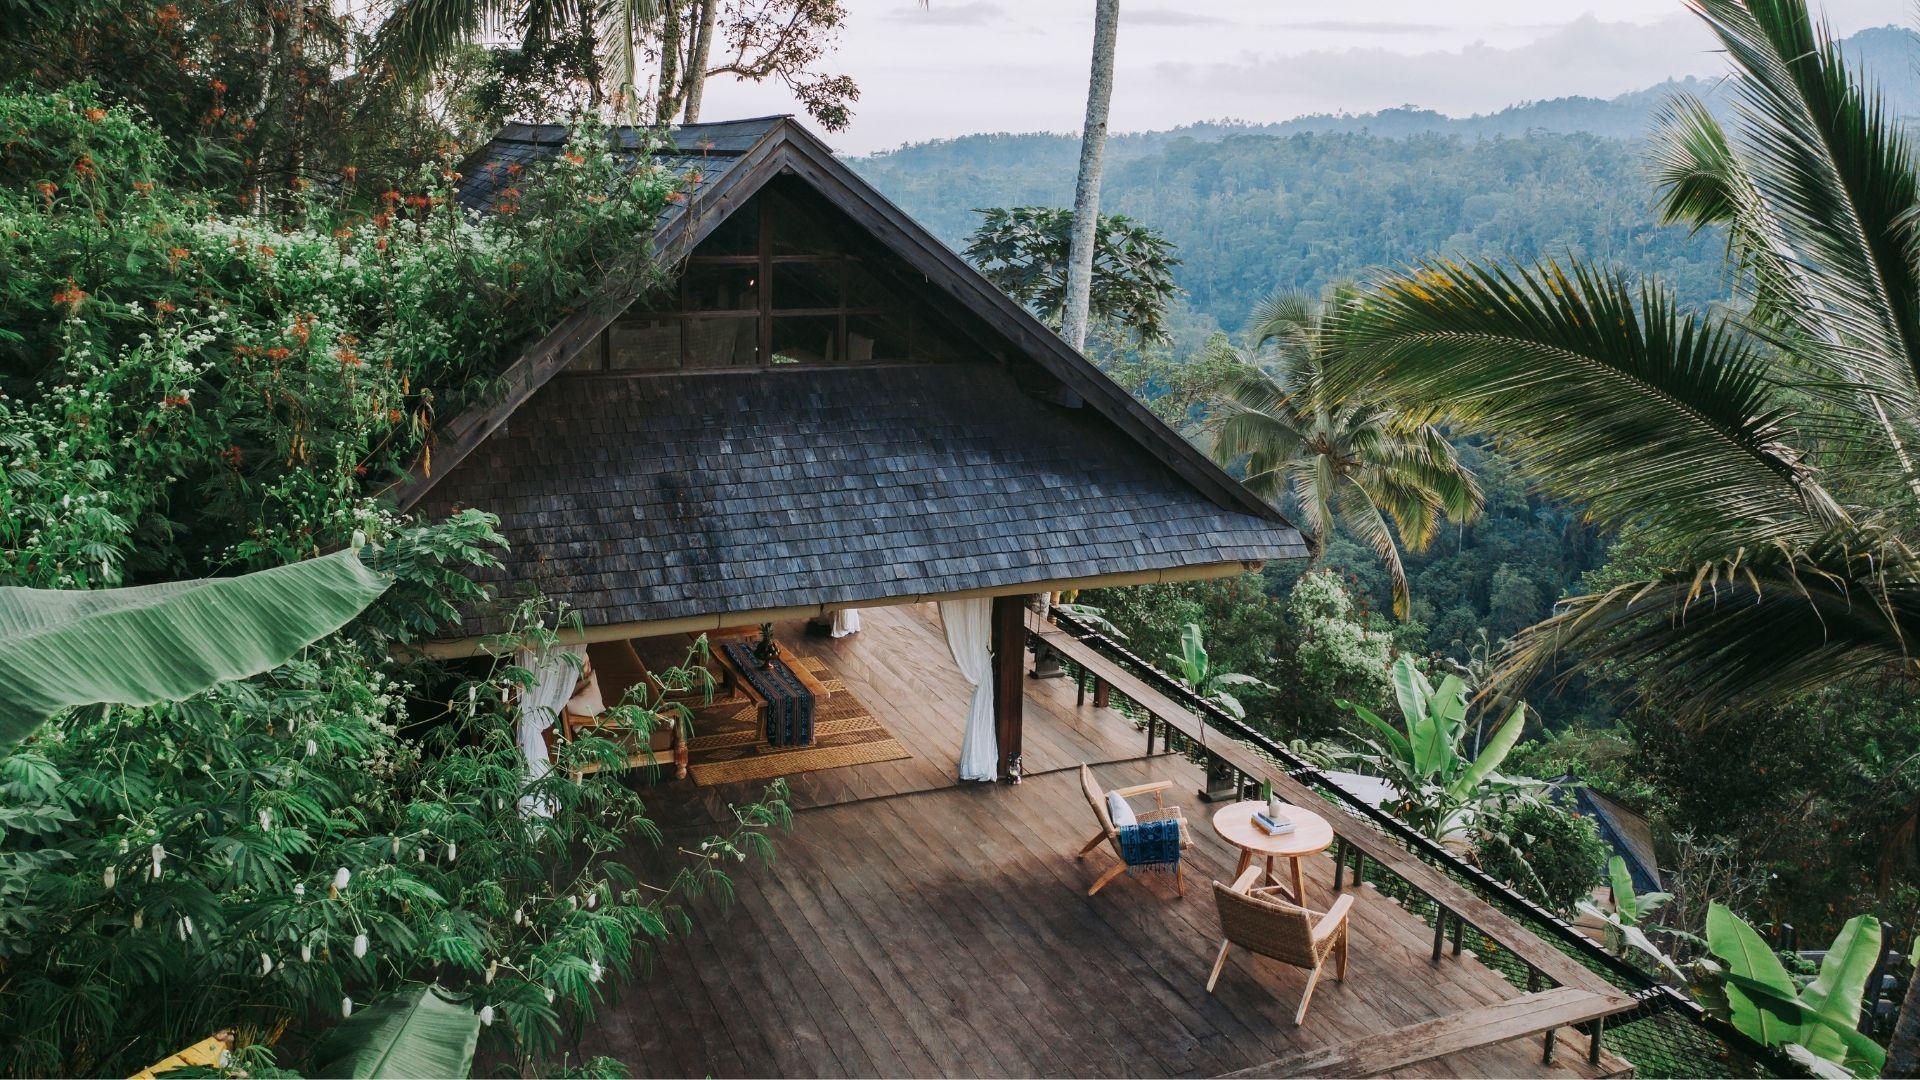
[915, 925]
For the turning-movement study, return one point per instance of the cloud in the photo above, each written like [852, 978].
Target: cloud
[975, 13]
[1354, 26]
[1586, 56]
[1166, 17]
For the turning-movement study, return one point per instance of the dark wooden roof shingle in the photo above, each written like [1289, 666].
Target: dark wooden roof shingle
[645, 499]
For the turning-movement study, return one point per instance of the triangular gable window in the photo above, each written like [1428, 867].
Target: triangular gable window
[786, 280]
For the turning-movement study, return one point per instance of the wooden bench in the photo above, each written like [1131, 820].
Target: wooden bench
[619, 670]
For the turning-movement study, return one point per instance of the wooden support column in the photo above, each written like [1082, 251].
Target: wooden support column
[1009, 693]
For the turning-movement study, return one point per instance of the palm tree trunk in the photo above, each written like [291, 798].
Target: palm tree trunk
[697, 67]
[668, 101]
[1086, 191]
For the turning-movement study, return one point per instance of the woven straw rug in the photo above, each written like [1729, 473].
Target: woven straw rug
[727, 747]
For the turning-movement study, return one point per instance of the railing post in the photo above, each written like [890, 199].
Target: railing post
[1459, 931]
[1593, 1045]
[1439, 930]
[1339, 863]
[1100, 692]
[1080, 680]
[1546, 1055]
[1150, 725]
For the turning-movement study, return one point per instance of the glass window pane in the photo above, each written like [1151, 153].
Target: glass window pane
[806, 285]
[723, 343]
[873, 338]
[644, 345]
[806, 339]
[722, 287]
[798, 229]
[739, 234]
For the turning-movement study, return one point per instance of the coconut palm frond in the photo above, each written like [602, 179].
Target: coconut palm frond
[417, 34]
[1604, 391]
[1746, 629]
[1836, 176]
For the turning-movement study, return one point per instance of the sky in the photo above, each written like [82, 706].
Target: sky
[957, 67]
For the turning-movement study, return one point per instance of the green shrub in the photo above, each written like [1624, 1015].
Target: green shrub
[1550, 855]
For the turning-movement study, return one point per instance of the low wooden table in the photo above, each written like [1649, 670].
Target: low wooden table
[1311, 834]
[791, 665]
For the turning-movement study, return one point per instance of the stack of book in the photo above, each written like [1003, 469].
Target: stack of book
[1272, 826]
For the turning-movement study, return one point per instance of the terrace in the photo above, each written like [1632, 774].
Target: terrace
[913, 925]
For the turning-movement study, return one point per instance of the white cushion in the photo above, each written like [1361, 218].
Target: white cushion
[588, 701]
[1120, 810]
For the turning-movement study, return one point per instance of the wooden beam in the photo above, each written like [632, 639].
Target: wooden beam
[693, 624]
[1516, 1018]
[1009, 672]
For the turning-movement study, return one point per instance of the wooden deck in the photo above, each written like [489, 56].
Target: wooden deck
[912, 926]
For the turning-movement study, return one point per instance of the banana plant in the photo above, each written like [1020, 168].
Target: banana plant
[1816, 1024]
[1195, 668]
[1439, 785]
[415, 1032]
[1629, 914]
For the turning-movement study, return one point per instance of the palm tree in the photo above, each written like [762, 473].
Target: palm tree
[1345, 458]
[1086, 188]
[1767, 456]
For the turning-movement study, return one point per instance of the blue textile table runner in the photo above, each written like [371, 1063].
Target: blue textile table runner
[1151, 843]
[788, 713]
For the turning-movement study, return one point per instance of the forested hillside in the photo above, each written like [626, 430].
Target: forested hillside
[1299, 203]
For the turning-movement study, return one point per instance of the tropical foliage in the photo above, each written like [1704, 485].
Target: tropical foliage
[189, 393]
[1024, 250]
[138, 646]
[1442, 785]
[1818, 1021]
[1768, 459]
[1543, 851]
[1194, 667]
[1339, 456]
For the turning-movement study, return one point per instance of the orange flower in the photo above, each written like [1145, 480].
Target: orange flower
[573, 158]
[70, 297]
[347, 357]
[46, 189]
[83, 168]
[143, 186]
[95, 115]
[349, 173]
[390, 196]
[219, 87]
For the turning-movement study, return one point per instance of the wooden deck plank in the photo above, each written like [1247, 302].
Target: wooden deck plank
[911, 925]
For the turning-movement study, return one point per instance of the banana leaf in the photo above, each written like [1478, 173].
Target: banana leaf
[1397, 741]
[1433, 734]
[409, 1034]
[1752, 966]
[1794, 1016]
[1410, 689]
[151, 643]
[1491, 755]
[1625, 900]
[1835, 996]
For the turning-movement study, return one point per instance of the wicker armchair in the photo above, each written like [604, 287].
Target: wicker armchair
[1110, 835]
[1292, 935]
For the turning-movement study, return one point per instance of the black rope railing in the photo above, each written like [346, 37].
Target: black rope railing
[1655, 997]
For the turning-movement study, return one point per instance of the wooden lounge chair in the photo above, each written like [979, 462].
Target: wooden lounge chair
[1254, 920]
[614, 669]
[1110, 835]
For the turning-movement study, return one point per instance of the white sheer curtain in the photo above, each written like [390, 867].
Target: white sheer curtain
[969, 626]
[846, 621]
[554, 677]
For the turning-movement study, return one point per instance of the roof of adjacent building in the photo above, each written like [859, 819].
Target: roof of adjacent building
[669, 496]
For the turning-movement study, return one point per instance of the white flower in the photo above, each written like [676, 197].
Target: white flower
[139, 918]
[519, 916]
[486, 1016]
[341, 877]
[593, 901]
[452, 851]
[491, 969]
[359, 946]
[185, 927]
[159, 856]
[109, 877]
[266, 965]
[266, 819]
[595, 971]
[549, 995]
[346, 1007]
[312, 748]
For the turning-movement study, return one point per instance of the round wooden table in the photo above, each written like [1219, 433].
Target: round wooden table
[1310, 834]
